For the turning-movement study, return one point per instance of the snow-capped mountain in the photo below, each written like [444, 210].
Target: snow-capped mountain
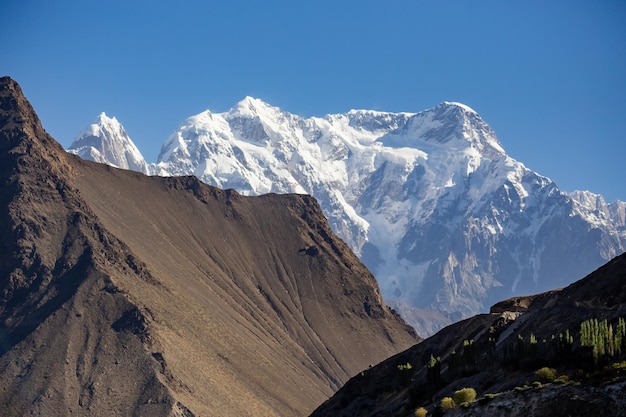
[106, 141]
[430, 201]
[600, 211]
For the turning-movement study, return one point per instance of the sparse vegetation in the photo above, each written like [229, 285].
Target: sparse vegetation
[464, 395]
[405, 373]
[545, 374]
[620, 336]
[604, 342]
[421, 412]
[619, 365]
[447, 403]
[563, 379]
[434, 370]
[566, 340]
[405, 367]
[469, 356]
[605, 339]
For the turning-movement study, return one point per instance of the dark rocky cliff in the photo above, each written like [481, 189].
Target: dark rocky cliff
[498, 355]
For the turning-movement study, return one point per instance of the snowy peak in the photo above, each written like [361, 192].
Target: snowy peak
[106, 141]
[449, 125]
[467, 126]
[598, 209]
[460, 106]
[110, 122]
[250, 107]
[589, 200]
[248, 119]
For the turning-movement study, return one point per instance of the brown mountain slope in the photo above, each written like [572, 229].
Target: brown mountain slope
[499, 353]
[122, 294]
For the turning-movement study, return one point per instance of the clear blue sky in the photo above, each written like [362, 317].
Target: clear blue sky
[548, 76]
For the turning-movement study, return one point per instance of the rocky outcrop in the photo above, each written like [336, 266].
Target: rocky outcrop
[498, 354]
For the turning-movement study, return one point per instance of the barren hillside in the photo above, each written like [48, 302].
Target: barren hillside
[122, 294]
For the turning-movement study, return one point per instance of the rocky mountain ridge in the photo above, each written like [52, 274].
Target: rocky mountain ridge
[430, 201]
[530, 356]
[123, 294]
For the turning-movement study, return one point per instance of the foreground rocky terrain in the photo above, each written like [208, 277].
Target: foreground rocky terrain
[561, 353]
[122, 294]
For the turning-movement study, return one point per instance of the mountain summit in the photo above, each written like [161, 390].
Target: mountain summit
[106, 141]
[448, 123]
[123, 294]
[430, 201]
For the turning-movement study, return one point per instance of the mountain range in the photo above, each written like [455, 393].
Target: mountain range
[125, 294]
[448, 222]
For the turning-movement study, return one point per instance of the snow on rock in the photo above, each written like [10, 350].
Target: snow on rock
[106, 141]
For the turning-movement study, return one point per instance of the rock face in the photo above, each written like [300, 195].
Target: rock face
[122, 294]
[551, 401]
[499, 354]
[430, 201]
